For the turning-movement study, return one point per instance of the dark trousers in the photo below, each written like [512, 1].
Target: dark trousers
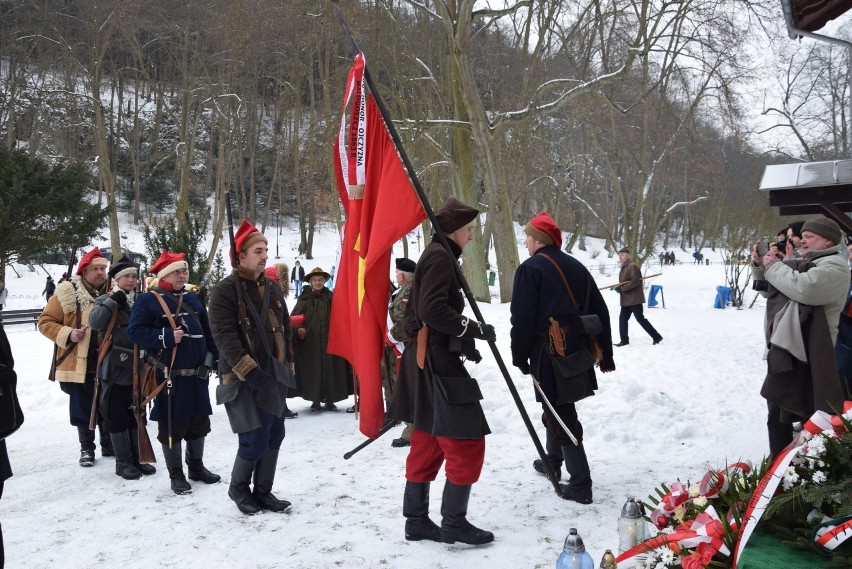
[780, 434]
[464, 458]
[637, 311]
[184, 429]
[255, 444]
[114, 406]
[568, 414]
[2, 551]
[80, 397]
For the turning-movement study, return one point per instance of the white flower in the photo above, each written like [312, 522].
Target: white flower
[819, 477]
[667, 556]
[790, 477]
[661, 565]
[694, 490]
[700, 501]
[816, 447]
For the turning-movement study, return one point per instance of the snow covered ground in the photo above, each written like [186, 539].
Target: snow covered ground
[669, 411]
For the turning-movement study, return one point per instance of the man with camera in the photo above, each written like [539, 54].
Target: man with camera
[804, 297]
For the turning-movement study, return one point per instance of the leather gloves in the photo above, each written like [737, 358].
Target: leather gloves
[256, 378]
[301, 333]
[607, 364]
[525, 368]
[616, 289]
[473, 356]
[487, 333]
[119, 297]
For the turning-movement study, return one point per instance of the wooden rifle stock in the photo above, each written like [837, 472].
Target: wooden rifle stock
[56, 362]
[146, 451]
[625, 282]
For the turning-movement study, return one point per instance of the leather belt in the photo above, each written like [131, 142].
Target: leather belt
[185, 372]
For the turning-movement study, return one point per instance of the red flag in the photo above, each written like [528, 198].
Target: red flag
[381, 208]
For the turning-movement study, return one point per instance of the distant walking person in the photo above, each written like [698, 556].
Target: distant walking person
[632, 299]
[49, 288]
[298, 277]
[3, 294]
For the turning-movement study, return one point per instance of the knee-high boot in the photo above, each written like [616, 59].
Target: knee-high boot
[454, 525]
[415, 508]
[239, 490]
[264, 476]
[146, 469]
[195, 464]
[123, 457]
[579, 487]
[172, 457]
[554, 455]
[105, 438]
[87, 446]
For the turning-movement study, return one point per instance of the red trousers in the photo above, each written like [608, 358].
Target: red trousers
[464, 458]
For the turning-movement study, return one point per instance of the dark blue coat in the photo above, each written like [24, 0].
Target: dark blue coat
[150, 328]
[538, 294]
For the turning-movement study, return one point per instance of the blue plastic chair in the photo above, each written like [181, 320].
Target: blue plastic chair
[723, 296]
[652, 296]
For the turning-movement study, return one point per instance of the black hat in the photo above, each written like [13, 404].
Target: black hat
[624, 250]
[455, 215]
[405, 265]
[122, 267]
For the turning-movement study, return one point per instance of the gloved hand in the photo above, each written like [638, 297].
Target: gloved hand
[301, 333]
[525, 368]
[257, 378]
[617, 289]
[474, 356]
[487, 333]
[607, 364]
[119, 297]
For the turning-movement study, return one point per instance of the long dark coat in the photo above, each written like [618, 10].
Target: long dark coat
[7, 360]
[539, 293]
[150, 328]
[435, 300]
[241, 401]
[320, 376]
[110, 370]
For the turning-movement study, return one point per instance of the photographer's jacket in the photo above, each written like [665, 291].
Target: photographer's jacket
[272, 331]
[437, 301]
[150, 328]
[538, 294]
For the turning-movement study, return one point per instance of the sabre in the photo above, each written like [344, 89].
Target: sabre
[552, 410]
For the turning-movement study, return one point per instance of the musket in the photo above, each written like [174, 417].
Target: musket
[55, 362]
[245, 325]
[146, 451]
[427, 208]
[622, 283]
[387, 427]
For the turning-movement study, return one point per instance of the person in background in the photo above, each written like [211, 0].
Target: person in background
[297, 278]
[539, 294]
[254, 369]
[187, 351]
[49, 288]
[397, 338]
[3, 294]
[444, 433]
[794, 235]
[278, 274]
[632, 299]
[801, 363]
[65, 322]
[322, 377]
[116, 370]
[6, 360]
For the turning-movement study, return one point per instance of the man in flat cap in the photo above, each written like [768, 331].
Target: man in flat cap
[254, 369]
[396, 339]
[449, 430]
[632, 299]
[804, 298]
[553, 286]
[171, 325]
[65, 321]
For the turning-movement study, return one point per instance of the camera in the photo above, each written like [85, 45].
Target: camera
[760, 286]
[782, 245]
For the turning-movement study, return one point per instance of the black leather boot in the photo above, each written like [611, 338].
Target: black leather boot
[123, 458]
[195, 464]
[454, 525]
[415, 508]
[579, 487]
[146, 469]
[239, 490]
[105, 438]
[87, 446]
[172, 457]
[554, 456]
[264, 476]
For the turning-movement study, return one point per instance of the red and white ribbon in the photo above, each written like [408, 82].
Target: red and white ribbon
[705, 528]
[833, 533]
[351, 150]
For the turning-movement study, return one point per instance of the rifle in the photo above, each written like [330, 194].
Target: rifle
[103, 349]
[387, 427]
[622, 283]
[143, 441]
[56, 362]
[245, 324]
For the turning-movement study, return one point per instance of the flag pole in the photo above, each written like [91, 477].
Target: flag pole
[424, 201]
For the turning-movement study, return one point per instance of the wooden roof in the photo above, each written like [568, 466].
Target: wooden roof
[810, 188]
[811, 15]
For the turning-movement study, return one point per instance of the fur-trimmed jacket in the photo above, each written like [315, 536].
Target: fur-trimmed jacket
[66, 310]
